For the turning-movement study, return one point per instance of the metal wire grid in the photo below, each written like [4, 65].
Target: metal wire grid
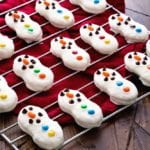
[2, 132]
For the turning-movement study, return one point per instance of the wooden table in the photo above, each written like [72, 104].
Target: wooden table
[129, 130]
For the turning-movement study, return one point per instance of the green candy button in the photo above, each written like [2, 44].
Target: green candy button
[37, 70]
[30, 29]
[83, 106]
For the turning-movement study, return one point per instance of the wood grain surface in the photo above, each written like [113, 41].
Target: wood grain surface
[129, 130]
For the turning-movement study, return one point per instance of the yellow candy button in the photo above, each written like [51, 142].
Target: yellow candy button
[26, 25]
[51, 133]
[107, 41]
[2, 45]
[66, 17]
[3, 96]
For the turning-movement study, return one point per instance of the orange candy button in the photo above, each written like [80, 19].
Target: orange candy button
[16, 16]
[62, 42]
[31, 115]
[126, 89]
[136, 57]
[90, 28]
[106, 74]
[42, 76]
[120, 19]
[79, 58]
[69, 95]
[25, 61]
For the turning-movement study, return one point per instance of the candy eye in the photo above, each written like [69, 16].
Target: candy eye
[84, 27]
[130, 56]
[66, 90]
[19, 59]
[71, 102]
[113, 73]
[98, 72]
[26, 56]
[62, 94]
[77, 95]
[113, 17]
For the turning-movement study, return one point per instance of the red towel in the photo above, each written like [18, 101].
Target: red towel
[75, 81]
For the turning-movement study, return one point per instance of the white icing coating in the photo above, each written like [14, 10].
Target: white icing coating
[139, 64]
[120, 90]
[6, 47]
[127, 27]
[8, 97]
[98, 38]
[45, 132]
[36, 76]
[24, 26]
[72, 55]
[86, 113]
[91, 6]
[57, 15]
[148, 48]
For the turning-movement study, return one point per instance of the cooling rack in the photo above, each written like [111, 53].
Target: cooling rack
[12, 142]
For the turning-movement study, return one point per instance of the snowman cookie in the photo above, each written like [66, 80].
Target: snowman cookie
[6, 47]
[45, 132]
[72, 55]
[127, 27]
[57, 15]
[24, 26]
[148, 48]
[100, 40]
[86, 113]
[139, 64]
[36, 76]
[91, 6]
[8, 97]
[120, 90]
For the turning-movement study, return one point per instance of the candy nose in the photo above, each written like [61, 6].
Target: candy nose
[25, 61]
[62, 42]
[90, 28]
[138, 58]
[31, 114]
[16, 16]
[46, 3]
[106, 74]
[120, 19]
[69, 95]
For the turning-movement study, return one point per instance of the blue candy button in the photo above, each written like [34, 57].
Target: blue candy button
[45, 128]
[59, 11]
[96, 1]
[138, 30]
[119, 83]
[91, 112]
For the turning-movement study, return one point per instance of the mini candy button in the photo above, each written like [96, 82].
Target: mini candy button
[106, 74]
[45, 127]
[69, 95]
[42, 76]
[136, 57]
[91, 112]
[83, 106]
[119, 83]
[74, 52]
[66, 17]
[51, 133]
[148, 67]
[59, 11]
[26, 25]
[102, 37]
[107, 41]
[36, 70]
[2, 45]
[31, 115]
[30, 30]
[3, 96]
[79, 58]
[96, 1]
[138, 30]
[126, 89]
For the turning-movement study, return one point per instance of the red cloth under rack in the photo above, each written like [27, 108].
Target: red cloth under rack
[77, 80]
